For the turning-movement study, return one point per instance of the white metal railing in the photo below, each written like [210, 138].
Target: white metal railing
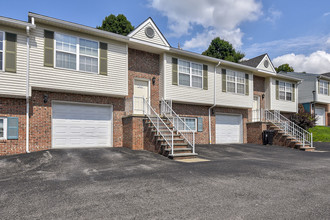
[188, 134]
[161, 127]
[289, 128]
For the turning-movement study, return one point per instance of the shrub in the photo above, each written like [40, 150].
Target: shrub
[304, 119]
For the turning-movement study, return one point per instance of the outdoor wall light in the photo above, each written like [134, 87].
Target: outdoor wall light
[263, 96]
[45, 98]
[153, 80]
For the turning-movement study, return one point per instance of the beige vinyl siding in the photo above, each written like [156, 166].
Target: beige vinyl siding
[232, 99]
[14, 84]
[47, 78]
[320, 97]
[262, 66]
[187, 94]
[140, 35]
[282, 105]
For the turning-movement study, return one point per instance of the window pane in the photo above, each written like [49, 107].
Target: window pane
[65, 60]
[282, 86]
[288, 96]
[88, 47]
[240, 88]
[191, 123]
[184, 67]
[184, 79]
[197, 81]
[66, 43]
[1, 40]
[196, 69]
[241, 78]
[180, 125]
[288, 87]
[230, 76]
[1, 128]
[230, 87]
[88, 64]
[282, 95]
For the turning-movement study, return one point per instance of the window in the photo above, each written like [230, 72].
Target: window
[3, 128]
[190, 122]
[1, 50]
[71, 51]
[190, 74]
[323, 87]
[235, 82]
[285, 91]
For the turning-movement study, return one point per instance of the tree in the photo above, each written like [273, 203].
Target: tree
[304, 119]
[285, 68]
[116, 24]
[224, 50]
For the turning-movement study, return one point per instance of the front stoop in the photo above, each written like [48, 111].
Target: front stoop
[290, 141]
[181, 149]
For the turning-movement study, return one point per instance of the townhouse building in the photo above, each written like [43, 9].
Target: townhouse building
[66, 85]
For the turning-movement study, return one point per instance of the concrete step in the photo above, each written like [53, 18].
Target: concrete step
[175, 144]
[167, 135]
[307, 148]
[163, 130]
[182, 156]
[179, 150]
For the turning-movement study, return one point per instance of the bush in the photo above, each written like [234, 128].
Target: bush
[304, 119]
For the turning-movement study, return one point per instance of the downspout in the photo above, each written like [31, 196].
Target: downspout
[214, 102]
[27, 88]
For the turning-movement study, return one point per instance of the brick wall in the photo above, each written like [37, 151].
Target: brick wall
[146, 66]
[10, 107]
[254, 132]
[40, 116]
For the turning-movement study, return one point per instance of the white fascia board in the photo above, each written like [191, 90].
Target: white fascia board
[139, 42]
[16, 23]
[77, 27]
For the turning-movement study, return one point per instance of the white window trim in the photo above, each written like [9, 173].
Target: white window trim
[184, 119]
[190, 74]
[285, 91]
[4, 129]
[77, 54]
[236, 82]
[325, 85]
[3, 50]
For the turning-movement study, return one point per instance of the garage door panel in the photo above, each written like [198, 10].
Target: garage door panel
[228, 129]
[78, 125]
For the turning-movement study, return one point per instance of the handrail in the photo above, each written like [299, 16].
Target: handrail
[188, 135]
[149, 112]
[289, 127]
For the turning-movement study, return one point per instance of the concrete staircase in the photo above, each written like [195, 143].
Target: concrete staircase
[163, 136]
[287, 139]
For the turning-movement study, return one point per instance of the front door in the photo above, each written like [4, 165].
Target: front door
[256, 108]
[141, 93]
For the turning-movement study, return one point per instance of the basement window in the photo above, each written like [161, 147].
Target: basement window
[3, 128]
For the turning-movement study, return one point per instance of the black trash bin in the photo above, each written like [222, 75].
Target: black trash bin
[267, 137]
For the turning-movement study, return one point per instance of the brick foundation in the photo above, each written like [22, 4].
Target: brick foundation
[254, 132]
[10, 107]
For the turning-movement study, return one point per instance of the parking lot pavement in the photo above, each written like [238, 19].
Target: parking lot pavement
[233, 182]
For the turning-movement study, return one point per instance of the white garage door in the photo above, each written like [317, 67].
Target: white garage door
[320, 113]
[228, 129]
[81, 125]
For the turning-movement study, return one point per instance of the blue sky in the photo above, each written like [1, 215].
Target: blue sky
[294, 32]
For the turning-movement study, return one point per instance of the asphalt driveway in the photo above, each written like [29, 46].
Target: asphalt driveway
[239, 182]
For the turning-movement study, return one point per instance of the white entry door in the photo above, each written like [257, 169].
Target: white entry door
[81, 125]
[229, 129]
[141, 90]
[320, 113]
[256, 109]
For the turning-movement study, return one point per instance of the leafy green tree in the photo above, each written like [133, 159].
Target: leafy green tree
[224, 50]
[116, 24]
[285, 68]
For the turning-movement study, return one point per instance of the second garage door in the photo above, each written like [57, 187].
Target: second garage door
[229, 129]
[81, 125]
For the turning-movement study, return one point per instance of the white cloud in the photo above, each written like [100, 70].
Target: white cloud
[216, 17]
[273, 15]
[317, 62]
[326, 14]
[299, 45]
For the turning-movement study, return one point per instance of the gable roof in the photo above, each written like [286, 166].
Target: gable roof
[148, 22]
[254, 62]
[326, 74]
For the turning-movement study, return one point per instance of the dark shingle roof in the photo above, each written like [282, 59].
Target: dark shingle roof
[254, 62]
[326, 74]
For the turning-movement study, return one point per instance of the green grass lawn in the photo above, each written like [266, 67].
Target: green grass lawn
[320, 133]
